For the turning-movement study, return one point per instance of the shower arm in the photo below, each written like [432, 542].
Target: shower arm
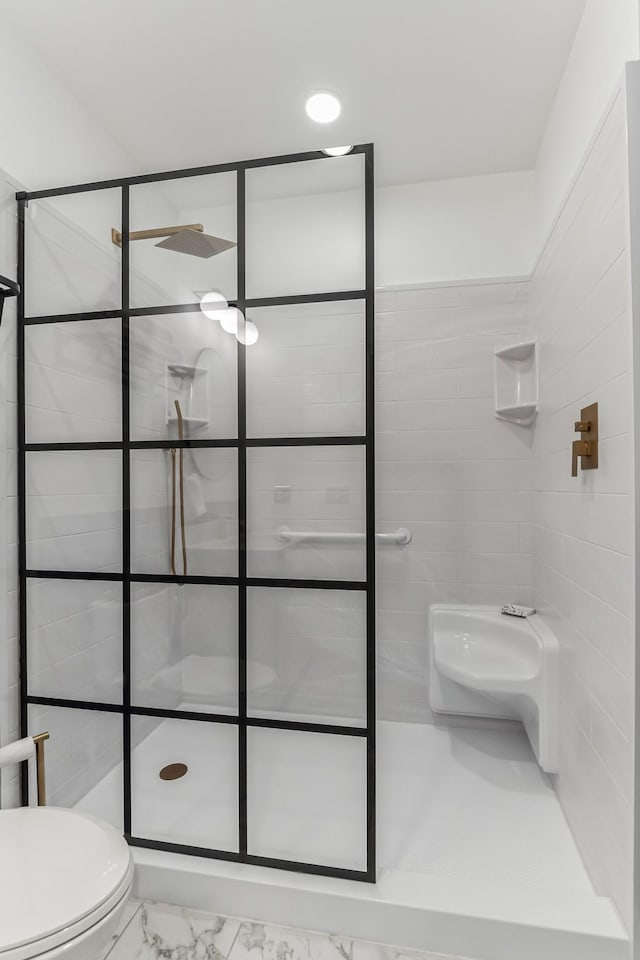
[116, 235]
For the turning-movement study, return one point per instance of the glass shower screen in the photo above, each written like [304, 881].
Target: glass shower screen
[196, 506]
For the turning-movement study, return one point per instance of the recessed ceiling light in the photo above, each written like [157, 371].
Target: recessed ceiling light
[337, 151]
[323, 107]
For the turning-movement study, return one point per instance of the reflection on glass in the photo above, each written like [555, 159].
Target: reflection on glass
[306, 654]
[308, 489]
[74, 510]
[184, 647]
[83, 759]
[204, 535]
[71, 265]
[307, 797]
[183, 357]
[73, 381]
[310, 215]
[199, 808]
[181, 266]
[75, 639]
[305, 375]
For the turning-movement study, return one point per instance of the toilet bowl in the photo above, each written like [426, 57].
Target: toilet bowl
[486, 664]
[65, 878]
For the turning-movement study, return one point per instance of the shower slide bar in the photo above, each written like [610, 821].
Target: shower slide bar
[400, 536]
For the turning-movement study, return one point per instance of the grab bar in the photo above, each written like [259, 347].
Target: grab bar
[24, 750]
[400, 536]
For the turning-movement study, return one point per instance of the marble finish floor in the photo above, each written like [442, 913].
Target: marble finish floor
[159, 931]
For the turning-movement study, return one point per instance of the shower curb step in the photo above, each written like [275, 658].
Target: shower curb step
[436, 914]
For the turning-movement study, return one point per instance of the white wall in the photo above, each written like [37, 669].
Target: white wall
[477, 227]
[608, 35]
[444, 231]
[583, 527]
[49, 138]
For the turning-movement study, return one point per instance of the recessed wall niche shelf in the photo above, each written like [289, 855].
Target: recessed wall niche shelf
[189, 385]
[516, 383]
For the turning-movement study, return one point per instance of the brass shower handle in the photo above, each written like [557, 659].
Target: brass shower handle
[579, 448]
[587, 446]
[116, 236]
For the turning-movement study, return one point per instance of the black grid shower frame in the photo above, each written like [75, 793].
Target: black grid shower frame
[242, 721]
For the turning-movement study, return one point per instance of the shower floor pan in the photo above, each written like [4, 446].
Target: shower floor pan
[475, 856]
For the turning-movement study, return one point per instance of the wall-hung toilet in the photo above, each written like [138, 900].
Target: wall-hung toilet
[486, 664]
[65, 878]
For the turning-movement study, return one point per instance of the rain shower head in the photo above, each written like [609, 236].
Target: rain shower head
[187, 238]
[196, 244]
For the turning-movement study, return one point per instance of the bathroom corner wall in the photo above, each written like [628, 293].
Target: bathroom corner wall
[447, 469]
[583, 542]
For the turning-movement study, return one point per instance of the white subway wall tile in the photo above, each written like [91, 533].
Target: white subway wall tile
[583, 578]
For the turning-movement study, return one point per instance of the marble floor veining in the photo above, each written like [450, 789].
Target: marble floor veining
[159, 931]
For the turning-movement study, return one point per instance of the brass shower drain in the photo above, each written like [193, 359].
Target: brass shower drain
[173, 771]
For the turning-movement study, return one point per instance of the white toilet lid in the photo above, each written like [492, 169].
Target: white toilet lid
[56, 867]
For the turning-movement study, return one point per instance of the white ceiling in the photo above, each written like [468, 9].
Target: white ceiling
[445, 88]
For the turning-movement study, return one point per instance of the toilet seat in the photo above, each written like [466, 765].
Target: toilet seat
[61, 873]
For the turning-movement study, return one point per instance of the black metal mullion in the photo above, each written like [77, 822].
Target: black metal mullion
[126, 517]
[194, 307]
[73, 317]
[340, 441]
[238, 165]
[22, 501]
[227, 444]
[370, 511]
[280, 582]
[296, 866]
[241, 294]
[199, 716]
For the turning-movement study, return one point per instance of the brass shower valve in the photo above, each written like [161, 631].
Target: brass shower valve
[587, 446]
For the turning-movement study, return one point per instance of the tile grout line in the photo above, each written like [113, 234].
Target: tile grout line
[235, 936]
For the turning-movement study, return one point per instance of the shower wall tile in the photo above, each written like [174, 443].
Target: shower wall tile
[85, 746]
[306, 654]
[74, 514]
[447, 469]
[75, 639]
[73, 381]
[583, 527]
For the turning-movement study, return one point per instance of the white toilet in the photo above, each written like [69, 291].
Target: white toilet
[65, 878]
